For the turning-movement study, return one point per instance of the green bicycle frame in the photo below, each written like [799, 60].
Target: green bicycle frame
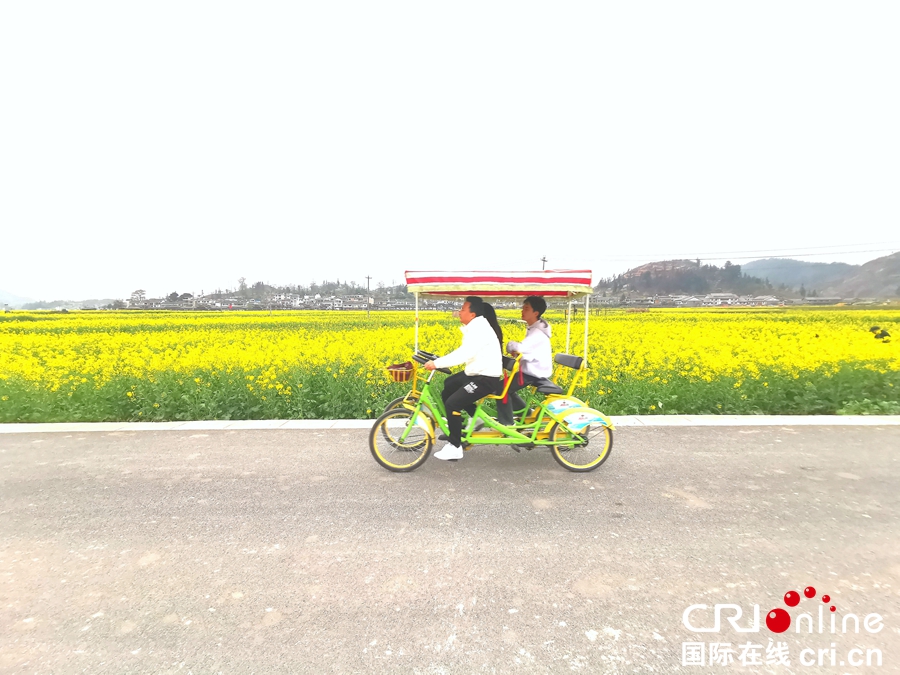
[433, 407]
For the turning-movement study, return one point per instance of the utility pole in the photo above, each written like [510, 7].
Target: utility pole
[368, 297]
[543, 262]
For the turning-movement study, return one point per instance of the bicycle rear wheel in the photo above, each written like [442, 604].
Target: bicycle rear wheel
[397, 442]
[581, 455]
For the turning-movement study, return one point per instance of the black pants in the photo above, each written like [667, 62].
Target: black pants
[513, 400]
[460, 392]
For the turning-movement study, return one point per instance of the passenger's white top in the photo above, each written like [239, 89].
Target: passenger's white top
[537, 356]
[480, 350]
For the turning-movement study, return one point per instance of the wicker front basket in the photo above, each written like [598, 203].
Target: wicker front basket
[400, 372]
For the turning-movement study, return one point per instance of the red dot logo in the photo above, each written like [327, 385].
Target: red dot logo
[778, 620]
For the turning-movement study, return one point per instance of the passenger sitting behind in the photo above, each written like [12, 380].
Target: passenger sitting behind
[537, 357]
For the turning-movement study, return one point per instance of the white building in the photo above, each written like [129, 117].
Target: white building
[718, 299]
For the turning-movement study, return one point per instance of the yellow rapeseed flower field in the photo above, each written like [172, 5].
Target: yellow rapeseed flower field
[160, 365]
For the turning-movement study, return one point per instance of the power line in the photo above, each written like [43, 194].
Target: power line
[733, 257]
[773, 253]
[811, 248]
[794, 255]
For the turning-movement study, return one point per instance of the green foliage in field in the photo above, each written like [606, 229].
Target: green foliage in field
[327, 365]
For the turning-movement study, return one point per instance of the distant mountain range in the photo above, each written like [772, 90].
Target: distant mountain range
[794, 273]
[879, 278]
[17, 302]
[14, 301]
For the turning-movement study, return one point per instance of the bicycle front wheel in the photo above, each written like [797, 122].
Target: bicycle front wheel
[397, 442]
[398, 402]
[582, 452]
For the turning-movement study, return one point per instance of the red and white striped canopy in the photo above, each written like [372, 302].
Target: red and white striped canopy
[568, 284]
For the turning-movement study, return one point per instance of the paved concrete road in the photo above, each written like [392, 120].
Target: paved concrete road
[294, 552]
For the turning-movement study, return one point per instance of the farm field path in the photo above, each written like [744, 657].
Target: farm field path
[292, 551]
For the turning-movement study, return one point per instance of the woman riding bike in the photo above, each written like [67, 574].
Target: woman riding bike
[481, 352]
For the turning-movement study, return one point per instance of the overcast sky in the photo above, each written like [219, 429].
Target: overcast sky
[179, 146]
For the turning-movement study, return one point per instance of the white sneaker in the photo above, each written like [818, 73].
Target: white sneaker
[450, 452]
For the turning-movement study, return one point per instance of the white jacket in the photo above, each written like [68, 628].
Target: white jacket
[537, 356]
[480, 350]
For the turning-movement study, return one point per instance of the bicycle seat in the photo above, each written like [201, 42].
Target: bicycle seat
[569, 360]
[545, 386]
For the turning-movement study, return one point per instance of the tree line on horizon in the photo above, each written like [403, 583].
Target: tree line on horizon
[699, 280]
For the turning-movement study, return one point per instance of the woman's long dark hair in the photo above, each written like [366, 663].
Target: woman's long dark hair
[481, 308]
[491, 317]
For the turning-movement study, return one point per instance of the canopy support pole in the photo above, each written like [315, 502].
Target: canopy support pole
[586, 315]
[417, 321]
[568, 324]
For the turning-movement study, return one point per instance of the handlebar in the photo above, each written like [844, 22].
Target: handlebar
[424, 357]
